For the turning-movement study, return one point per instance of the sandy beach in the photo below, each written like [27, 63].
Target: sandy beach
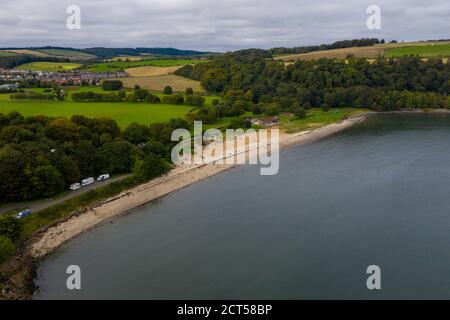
[180, 177]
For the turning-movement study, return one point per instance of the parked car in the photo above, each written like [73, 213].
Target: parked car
[75, 186]
[23, 214]
[103, 177]
[87, 181]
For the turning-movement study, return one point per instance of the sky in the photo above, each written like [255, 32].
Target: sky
[217, 25]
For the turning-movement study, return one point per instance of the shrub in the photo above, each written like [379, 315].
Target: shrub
[195, 100]
[10, 228]
[112, 85]
[7, 248]
[168, 90]
[173, 99]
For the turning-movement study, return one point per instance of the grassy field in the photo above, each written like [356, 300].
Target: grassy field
[122, 65]
[4, 53]
[157, 83]
[123, 112]
[426, 51]
[67, 54]
[316, 118]
[49, 66]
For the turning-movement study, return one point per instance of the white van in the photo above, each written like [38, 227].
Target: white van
[87, 181]
[103, 177]
[75, 186]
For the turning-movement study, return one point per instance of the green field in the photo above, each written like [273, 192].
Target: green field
[67, 54]
[49, 66]
[426, 51]
[122, 65]
[124, 113]
[7, 54]
[316, 118]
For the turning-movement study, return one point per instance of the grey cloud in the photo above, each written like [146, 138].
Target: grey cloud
[216, 25]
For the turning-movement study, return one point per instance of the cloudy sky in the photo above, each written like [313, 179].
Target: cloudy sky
[216, 25]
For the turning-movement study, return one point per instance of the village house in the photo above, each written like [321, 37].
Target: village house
[266, 122]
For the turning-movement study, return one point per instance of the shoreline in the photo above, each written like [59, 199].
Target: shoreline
[44, 242]
[177, 179]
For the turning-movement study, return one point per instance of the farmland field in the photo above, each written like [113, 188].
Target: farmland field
[123, 58]
[149, 71]
[157, 83]
[358, 52]
[26, 51]
[425, 51]
[122, 65]
[123, 112]
[67, 54]
[49, 66]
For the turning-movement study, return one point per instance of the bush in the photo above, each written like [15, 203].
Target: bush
[168, 90]
[7, 248]
[112, 85]
[215, 102]
[173, 99]
[10, 228]
[189, 91]
[195, 100]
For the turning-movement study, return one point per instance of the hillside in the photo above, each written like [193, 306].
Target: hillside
[422, 49]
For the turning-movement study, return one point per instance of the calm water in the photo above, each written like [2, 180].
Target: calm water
[375, 194]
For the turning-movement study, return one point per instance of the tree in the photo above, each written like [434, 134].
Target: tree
[112, 85]
[193, 100]
[215, 102]
[150, 166]
[298, 111]
[46, 181]
[136, 133]
[189, 91]
[168, 90]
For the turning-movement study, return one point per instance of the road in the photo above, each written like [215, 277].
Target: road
[44, 204]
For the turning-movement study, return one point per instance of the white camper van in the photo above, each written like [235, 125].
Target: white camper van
[87, 181]
[103, 177]
[75, 186]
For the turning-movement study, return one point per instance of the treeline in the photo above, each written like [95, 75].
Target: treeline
[365, 42]
[249, 81]
[9, 62]
[27, 96]
[138, 95]
[40, 156]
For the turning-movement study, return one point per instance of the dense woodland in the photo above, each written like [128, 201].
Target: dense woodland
[40, 157]
[9, 62]
[251, 80]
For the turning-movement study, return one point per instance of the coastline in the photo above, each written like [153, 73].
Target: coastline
[49, 239]
[175, 180]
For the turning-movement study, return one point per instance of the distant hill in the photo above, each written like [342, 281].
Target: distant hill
[102, 52]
